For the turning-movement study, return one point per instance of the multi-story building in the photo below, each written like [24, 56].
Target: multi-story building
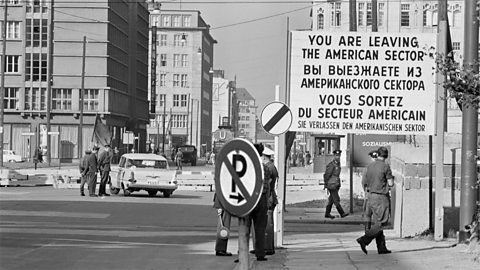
[182, 79]
[246, 115]
[45, 36]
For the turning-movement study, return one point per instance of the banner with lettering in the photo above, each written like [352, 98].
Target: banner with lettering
[364, 83]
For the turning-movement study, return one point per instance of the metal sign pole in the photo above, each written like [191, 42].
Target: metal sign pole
[243, 238]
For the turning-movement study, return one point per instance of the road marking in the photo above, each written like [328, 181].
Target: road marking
[13, 193]
[51, 214]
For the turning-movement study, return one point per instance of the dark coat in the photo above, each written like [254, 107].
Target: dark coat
[331, 177]
[92, 164]
[104, 161]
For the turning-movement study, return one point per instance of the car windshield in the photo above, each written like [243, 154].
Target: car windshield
[187, 148]
[148, 163]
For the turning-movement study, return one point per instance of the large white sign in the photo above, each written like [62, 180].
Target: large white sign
[367, 83]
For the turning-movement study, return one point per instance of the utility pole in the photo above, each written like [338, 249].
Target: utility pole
[188, 114]
[353, 28]
[469, 189]
[2, 70]
[82, 91]
[191, 120]
[49, 84]
[198, 124]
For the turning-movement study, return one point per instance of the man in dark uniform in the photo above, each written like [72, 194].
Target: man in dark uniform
[377, 181]
[259, 216]
[331, 178]
[104, 160]
[91, 172]
[271, 176]
[226, 218]
[83, 165]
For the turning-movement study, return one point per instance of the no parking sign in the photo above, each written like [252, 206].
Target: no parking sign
[238, 177]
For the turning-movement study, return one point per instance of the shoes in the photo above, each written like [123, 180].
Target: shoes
[329, 216]
[82, 194]
[270, 252]
[252, 251]
[236, 260]
[344, 215]
[93, 195]
[105, 194]
[262, 258]
[362, 245]
[386, 251]
[223, 253]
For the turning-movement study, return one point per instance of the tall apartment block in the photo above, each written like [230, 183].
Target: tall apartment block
[181, 78]
[45, 35]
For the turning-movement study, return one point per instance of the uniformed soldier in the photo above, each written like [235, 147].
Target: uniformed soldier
[91, 171]
[270, 175]
[104, 161]
[83, 166]
[377, 181]
[224, 219]
[331, 178]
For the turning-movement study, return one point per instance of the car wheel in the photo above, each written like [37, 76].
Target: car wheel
[114, 190]
[152, 193]
[167, 193]
[126, 192]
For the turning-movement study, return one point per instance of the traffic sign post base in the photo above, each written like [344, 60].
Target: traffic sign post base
[243, 235]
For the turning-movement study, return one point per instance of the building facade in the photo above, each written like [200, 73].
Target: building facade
[181, 79]
[246, 115]
[45, 36]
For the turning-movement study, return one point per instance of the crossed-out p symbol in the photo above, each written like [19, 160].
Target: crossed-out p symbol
[238, 159]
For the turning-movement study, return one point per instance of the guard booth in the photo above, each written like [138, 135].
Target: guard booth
[323, 147]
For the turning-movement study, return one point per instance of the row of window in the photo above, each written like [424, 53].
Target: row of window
[179, 60]
[172, 20]
[35, 99]
[175, 121]
[179, 100]
[35, 66]
[364, 15]
[179, 40]
[178, 80]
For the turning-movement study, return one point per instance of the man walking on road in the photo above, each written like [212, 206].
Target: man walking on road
[83, 166]
[331, 179]
[91, 172]
[377, 181]
[104, 161]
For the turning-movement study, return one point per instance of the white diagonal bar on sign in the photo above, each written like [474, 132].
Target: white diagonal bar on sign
[236, 179]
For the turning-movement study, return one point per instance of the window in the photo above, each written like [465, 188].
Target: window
[159, 118]
[36, 32]
[184, 82]
[405, 15]
[90, 99]
[13, 30]
[161, 100]
[176, 21]
[62, 99]
[10, 100]
[11, 63]
[166, 20]
[36, 67]
[179, 121]
[35, 99]
[187, 21]
[381, 14]
[163, 79]
[180, 40]
[163, 60]
[336, 13]
[320, 23]
[456, 46]
[369, 13]
[37, 6]
[184, 60]
[361, 10]
[176, 80]
[163, 40]
[179, 100]
[176, 60]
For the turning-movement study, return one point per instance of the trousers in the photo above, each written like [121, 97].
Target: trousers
[92, 182]
[103, 181]
[259, 218]
[334, 199]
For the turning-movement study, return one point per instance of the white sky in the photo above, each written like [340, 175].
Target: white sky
[255, 51]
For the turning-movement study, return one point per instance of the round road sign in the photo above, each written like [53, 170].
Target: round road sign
[276, 118]
[238, 177]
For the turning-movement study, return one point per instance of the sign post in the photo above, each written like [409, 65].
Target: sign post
[238, 186]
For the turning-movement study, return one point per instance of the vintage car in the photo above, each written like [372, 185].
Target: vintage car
[148, 172]
[10, 156]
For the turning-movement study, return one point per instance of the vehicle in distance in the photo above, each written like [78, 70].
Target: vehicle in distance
[149, 172]
[10, 156]
[189, 154]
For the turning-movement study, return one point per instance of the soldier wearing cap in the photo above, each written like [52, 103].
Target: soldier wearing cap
[331, 178]
[270, 175]
[377, 181]
[83, 166]
[104, 161]
[91, 171]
